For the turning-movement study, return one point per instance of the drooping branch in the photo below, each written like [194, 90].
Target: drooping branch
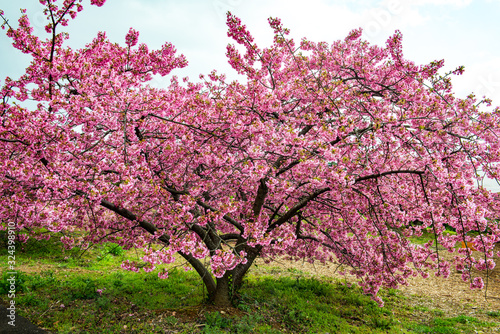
[433, 222]
[7, 140]
[151, 228]
[335, 245]
[125, 213]
[202, 271]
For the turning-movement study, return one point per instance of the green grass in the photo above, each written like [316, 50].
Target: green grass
[458, 324]
[428, 234]
[90, 293]
[309, 305]
[495, 314]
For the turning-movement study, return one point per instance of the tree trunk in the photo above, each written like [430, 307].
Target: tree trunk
[229, 284]
[223, 295]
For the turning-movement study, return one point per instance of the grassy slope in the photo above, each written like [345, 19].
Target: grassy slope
[67, 292]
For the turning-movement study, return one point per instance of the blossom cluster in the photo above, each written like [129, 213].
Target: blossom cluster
[325, 152]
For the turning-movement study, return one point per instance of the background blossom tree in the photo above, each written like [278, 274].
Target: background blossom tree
[324, 152]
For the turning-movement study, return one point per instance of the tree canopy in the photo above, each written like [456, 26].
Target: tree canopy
[325, 152]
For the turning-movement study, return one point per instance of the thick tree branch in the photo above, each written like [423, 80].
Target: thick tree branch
[293, 211]
[230, 236]
[288, 167]
[206, 237]
[260, 198]
[202, 271]
[152, 229]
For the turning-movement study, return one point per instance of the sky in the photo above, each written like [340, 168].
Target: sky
[462, 32]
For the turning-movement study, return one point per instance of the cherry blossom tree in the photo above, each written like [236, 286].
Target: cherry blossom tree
[322, 152]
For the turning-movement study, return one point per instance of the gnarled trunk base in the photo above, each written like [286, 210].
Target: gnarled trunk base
[227, 285]
[223, 294]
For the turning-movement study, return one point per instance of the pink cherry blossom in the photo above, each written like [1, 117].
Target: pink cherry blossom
[132, 37]
[97, 3]
[324, 152]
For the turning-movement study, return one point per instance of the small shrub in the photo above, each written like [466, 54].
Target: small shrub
[114, 249]
[109, 250]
